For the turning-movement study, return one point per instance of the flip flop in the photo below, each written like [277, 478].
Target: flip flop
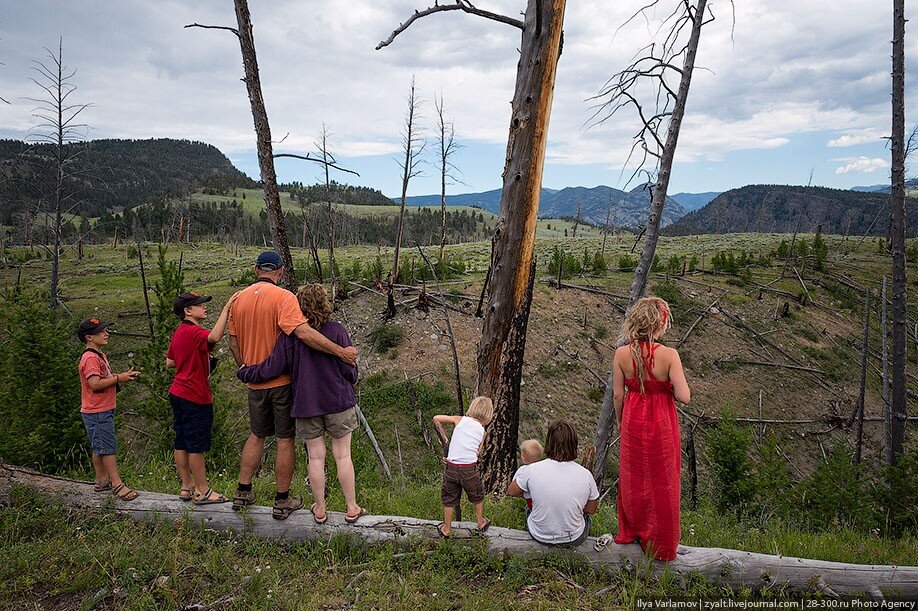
[353, 519]
[318, 520]
[487, 525]
[186, 494]
[106, 487]
[208, 498]
[440, 530]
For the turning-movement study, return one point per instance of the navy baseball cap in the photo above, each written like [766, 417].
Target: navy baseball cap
[91, 326]
[188, 299]
[269, 261]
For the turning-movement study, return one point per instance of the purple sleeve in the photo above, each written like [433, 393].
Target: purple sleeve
[344, 340]
[271, 367]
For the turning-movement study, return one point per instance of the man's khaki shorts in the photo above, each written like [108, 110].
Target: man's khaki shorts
[337, 425]
[269, 412]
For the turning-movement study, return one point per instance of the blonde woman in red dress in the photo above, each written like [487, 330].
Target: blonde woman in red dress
[648, 379]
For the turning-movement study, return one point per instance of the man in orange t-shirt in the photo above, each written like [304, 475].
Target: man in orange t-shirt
[259, 315]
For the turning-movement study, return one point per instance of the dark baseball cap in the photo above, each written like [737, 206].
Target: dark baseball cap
[91, 326]
[269, 261]
[189, 298]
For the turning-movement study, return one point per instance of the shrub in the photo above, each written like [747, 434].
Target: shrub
[674, 265]
[727, 455]
[152, 358]
[895, 495]
[40, 387]
[627, 263]
[570, 265]
[384, 337]
[600, 264]
[832, 494]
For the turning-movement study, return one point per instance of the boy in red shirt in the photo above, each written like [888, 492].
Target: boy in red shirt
[189, 395]
[98, 386]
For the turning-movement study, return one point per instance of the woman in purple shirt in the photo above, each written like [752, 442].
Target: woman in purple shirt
[323, 398]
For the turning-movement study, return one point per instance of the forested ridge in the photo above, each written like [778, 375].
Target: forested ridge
[779, 209]
[108, 175]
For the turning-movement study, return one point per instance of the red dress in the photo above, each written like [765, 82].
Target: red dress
[649, 469]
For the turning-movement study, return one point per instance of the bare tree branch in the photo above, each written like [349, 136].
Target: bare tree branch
[460, 5]
[306, 157]
[214, 27]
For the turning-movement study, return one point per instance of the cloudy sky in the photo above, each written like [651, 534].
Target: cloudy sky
[786, 87]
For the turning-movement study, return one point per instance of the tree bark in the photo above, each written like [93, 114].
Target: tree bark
[503, 338]
[733, 568]
[263, 133]
[408, 172]
[659, 190]
[897, 235]
[887, 413]
[859, 434]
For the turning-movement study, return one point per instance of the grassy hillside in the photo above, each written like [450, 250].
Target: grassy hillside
[568, 352]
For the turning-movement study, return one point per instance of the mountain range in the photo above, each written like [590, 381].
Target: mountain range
[629, 208]
[784, 208]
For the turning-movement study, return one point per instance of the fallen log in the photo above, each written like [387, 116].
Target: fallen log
[734, 568]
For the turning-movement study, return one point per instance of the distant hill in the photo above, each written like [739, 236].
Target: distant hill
[629, 209]
[114, 174]
[694, 201]
[911, 183]
[341, 193]
[777, 208]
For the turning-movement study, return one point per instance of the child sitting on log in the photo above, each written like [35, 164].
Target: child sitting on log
[530, 451]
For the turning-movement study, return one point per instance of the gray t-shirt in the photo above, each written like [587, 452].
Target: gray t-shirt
[559, 491]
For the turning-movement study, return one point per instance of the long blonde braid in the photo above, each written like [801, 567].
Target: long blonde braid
[648, 319]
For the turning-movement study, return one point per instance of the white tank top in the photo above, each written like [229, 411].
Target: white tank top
[463, 446]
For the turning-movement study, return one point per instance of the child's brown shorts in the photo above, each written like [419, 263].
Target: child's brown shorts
[457, 478]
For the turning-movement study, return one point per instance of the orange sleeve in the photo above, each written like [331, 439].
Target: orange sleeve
[289, 315]
[232, 321]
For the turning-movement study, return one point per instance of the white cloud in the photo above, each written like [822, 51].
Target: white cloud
[854, 138]
[782, 70]
[863, 164]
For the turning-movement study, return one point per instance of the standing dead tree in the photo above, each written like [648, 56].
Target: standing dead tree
[656, 62]
[512, 270]
[58, 129]
[252, 80]
[412, 146]
[446, 138]
[897, 237]
[327, 161]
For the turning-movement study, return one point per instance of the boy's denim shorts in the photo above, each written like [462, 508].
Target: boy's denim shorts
[100, 426]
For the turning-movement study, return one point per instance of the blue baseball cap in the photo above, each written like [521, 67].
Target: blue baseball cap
[269, 261]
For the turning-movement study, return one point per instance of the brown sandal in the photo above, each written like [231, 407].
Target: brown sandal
[129, 494]
[353, 519]
[210, 498]
[186, 494]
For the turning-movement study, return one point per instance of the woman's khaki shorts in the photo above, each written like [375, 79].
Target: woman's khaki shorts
[336, 425]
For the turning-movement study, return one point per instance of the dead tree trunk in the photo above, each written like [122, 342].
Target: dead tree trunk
[263, 132]
[731, 568]
[620, 94]
[605, 227]
[412, 147]
[659, 189]
[57, 127]
[503, 339]
[887, 413]
[897, 235]
[446, 132]
[859, 435]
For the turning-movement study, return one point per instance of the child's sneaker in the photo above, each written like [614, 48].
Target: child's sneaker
[283, 509]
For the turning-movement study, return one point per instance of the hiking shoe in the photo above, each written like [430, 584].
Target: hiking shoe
[243, 498]
[283, 509]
